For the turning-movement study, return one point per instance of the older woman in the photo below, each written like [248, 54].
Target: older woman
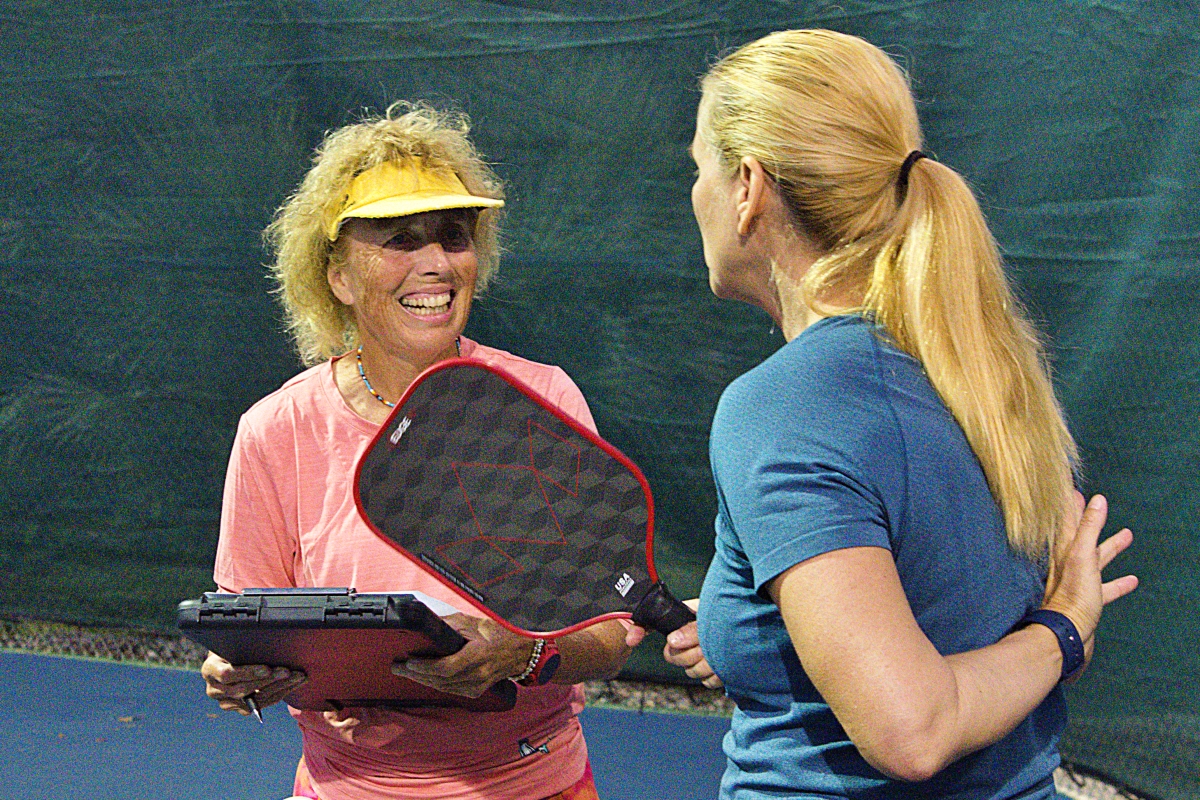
[379, 255]
[878, 605]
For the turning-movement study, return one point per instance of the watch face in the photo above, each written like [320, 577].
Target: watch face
[548, 667]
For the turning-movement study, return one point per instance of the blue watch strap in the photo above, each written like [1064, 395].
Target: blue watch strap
[1069, 640]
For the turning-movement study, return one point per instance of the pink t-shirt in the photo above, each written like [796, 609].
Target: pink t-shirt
[288, 519]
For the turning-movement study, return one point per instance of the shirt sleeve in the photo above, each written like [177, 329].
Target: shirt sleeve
[803, 473]
[800, 510]
[257, 546]
[564, 394]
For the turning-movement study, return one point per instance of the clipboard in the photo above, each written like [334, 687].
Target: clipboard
[345, 642]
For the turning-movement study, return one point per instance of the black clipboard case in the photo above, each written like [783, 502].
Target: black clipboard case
[345, 642]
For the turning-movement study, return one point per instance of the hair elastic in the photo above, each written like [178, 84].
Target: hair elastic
[905, 168]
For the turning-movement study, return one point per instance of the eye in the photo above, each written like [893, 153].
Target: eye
[455, 236]
[405, 239]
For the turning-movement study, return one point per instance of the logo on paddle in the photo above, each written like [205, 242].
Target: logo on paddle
[625, 584]
[400, 429]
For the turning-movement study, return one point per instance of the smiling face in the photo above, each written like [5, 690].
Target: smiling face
[409, 281]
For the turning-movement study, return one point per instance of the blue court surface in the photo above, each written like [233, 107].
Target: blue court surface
[105, 731]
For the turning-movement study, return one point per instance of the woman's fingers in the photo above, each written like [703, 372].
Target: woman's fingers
[1118, 588]
[1114, 545]
[239, 688]
[693, 661]
[683, 650]
[1109, 549]
[230, 704]
[269, 695]
[216, 670]
[634, 636]
[685, 637]
[1075, 505]
[1073, 508]
[1091, 522]
[1078, 584]
[683, 658]
[492, 653]
[683, 646]
[221, 677]
[468, 681]
[264, 693]
[697, 667]
[229, 685]
[470, 688]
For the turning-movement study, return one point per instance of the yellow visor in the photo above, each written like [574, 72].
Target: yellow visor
[397, 189]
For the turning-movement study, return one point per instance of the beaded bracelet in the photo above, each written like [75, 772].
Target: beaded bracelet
[534, 658]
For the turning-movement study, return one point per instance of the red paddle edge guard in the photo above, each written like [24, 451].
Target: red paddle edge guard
[656, 591]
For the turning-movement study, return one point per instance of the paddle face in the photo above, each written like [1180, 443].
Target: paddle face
[534, 519]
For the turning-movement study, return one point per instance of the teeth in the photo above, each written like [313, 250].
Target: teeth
[427, 304]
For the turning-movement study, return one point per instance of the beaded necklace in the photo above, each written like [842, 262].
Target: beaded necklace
[363, 373]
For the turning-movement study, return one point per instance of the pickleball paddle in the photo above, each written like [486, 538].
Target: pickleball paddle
[532, 518]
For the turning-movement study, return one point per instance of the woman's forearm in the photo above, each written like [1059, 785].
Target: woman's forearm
[965, 703]
[593, 653]
[909, 710]
[999, 686]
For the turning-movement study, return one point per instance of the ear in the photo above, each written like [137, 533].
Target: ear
[753, 187]
[339, 281]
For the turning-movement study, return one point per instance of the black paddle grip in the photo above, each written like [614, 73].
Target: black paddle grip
[661, 611]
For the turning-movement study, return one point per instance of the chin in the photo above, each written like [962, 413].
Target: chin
[723, 291]
[721, 285]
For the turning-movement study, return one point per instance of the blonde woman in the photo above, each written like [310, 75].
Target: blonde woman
[379, 254]
[894, 481]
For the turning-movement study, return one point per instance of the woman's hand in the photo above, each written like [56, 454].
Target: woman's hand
[682, 650]
[230, 685]
[910, 710]
[492, 654]
[1075, 586]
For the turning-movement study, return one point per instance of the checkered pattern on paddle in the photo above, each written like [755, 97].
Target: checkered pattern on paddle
[494, 493]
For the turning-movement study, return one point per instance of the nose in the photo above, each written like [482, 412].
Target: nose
[433, 260]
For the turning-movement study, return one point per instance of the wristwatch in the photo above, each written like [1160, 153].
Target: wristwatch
[1069, 640]
[543, 663]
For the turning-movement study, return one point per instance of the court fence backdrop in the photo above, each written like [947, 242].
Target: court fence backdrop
[147, 144]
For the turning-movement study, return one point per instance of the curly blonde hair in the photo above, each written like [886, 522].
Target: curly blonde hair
[320, 324]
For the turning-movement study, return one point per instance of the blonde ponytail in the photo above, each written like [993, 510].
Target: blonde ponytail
[831, 117]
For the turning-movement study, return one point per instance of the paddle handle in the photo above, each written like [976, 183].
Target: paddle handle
[661, 611]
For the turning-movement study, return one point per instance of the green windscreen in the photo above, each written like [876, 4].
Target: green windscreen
[147, 144]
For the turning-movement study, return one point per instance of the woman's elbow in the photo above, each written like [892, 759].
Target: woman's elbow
[911, 766]
[909, 753]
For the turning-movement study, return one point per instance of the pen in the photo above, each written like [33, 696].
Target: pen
[253, 706]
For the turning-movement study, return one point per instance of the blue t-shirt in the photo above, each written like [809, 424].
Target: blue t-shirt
[839, 440]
